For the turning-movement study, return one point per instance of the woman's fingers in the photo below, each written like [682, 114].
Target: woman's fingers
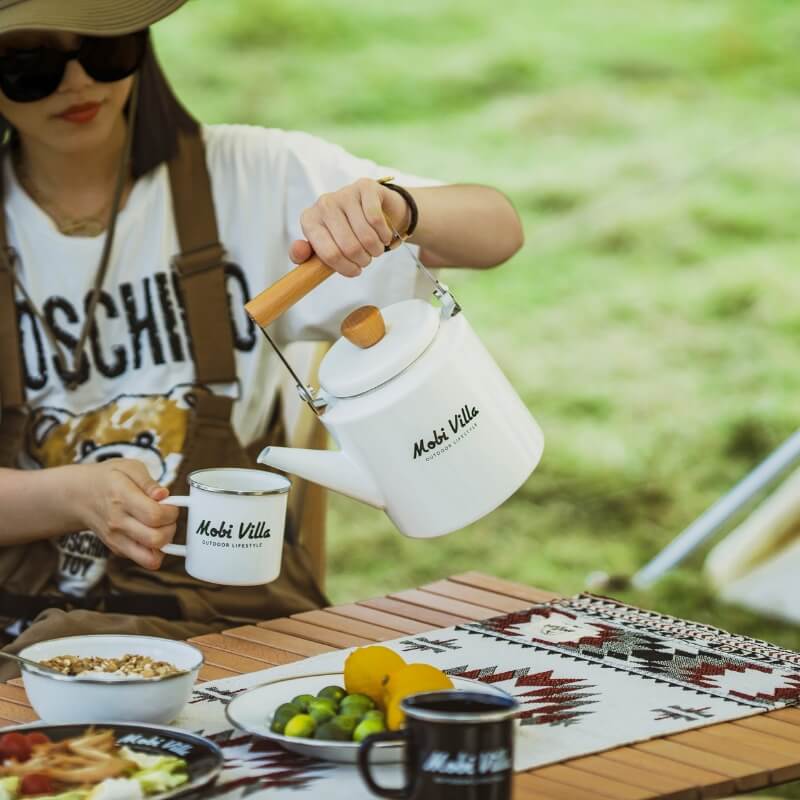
[143, 508]
[373, 212]
[134, 541]
[131, 523]
[326, 247]
[136, 472]
[300, 251]
[346, 228]
[366, 234]
[341, 231]
[151, 538]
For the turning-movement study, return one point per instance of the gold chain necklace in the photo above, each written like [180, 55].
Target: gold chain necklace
[67, 224]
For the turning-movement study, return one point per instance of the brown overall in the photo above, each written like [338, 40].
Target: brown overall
[131, 599]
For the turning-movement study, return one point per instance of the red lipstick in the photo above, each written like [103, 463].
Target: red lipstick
[81, 114]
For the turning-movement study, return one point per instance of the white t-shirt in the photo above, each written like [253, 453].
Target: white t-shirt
[132, 401]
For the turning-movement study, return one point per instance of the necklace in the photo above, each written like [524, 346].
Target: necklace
[67, 224]
[8, 261]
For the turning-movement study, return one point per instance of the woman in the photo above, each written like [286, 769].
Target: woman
[125, 356]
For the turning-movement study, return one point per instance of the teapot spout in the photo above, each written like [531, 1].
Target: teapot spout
[334, 470]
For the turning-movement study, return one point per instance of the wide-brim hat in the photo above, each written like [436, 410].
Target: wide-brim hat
[89, 17]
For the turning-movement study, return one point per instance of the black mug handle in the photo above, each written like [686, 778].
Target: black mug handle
[363, 764]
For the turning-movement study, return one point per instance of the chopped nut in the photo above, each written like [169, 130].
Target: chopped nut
[134, 665]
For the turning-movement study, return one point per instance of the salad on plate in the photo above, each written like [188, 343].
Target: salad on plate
[90, 766]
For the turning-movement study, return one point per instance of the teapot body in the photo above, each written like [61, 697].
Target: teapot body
[444, 442]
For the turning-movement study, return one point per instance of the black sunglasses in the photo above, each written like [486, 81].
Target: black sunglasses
[30, 75]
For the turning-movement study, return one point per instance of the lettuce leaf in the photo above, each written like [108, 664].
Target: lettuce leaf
[162, 775]
[73, 794]
[9, 788]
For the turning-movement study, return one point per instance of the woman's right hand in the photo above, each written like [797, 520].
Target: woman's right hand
[119, 501]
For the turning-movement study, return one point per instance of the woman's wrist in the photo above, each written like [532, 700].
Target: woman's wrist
[396, 208]
[42, 504]
[70, 486]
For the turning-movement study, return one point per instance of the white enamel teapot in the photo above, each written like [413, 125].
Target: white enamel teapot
[428, 427]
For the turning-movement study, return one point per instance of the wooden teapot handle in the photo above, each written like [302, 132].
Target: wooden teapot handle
[266, 307]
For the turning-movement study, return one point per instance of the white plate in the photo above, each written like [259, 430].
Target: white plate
[252, 712]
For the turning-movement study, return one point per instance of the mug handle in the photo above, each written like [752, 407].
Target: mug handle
[364, 768]
[180, 502]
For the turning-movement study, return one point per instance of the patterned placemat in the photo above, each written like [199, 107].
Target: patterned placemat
[590, 674]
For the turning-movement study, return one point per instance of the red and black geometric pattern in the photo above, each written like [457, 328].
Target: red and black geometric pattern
[789, 694]
[590, 606]
[660, 655]
[547, 700]
[253, 765]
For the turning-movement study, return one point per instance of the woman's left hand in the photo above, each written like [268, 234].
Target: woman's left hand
[347, 228]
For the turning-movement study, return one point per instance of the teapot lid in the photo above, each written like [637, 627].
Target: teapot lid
[377, 345]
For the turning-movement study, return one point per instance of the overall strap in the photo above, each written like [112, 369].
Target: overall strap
[201, 264]
[12, 385]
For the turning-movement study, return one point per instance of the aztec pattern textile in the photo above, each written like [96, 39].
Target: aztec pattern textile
[589, 673]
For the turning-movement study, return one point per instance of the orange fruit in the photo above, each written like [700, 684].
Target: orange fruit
[411, 679]
[366, 668]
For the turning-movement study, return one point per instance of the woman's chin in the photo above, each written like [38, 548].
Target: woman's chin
[84, 139]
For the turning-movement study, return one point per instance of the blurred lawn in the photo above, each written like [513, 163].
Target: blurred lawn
[651, 322]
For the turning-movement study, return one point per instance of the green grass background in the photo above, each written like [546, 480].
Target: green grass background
[651, 322]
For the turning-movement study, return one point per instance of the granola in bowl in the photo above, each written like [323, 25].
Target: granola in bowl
[126, 666]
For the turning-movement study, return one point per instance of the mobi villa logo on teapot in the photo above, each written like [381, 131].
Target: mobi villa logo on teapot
[238, 536]
[458, 427]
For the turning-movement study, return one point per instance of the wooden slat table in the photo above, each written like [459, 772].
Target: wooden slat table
[714, 761]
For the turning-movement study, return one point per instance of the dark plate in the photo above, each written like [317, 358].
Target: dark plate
[204, 760]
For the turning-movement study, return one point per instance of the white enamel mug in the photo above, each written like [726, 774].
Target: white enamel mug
[234, 533]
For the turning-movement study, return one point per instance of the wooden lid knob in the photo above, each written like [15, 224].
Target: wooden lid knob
[364, 327]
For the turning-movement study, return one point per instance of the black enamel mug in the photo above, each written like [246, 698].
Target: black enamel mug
[458, 745]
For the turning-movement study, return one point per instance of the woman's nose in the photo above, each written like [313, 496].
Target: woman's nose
[75, 77]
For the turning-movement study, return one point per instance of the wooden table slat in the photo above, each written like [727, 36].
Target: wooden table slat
[607, 787]
[758, 758]
[712, 782]
[530, 786]
[14, 694]
[774, 727]
[16, 713]
[267, 656]
[315, 633]
[664, 785]
[212, 673]
[750, 738]
[335, 622]
[235, 639]
[469, 594]
[230, 661]
[284, 641]
[518, 590]
[431, 614]
[746, 777]
[418, 597]
[789, 715]
[365, 613]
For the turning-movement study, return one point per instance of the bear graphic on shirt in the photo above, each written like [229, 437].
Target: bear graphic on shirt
[149, 428]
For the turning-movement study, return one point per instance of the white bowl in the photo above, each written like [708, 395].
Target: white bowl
[68, 698]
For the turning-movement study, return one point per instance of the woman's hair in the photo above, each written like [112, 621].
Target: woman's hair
[160, 119]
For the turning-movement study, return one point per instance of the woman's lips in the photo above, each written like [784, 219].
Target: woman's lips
[81, 114]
